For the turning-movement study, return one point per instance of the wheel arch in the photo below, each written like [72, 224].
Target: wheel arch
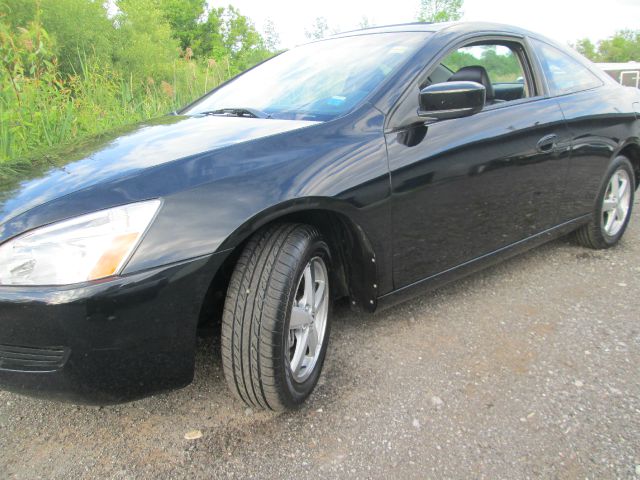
[354, 269]
[631, 150]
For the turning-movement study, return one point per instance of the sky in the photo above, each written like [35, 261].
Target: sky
[561, 20]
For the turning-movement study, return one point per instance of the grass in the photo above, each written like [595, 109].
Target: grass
[41, 108]
[46, 113]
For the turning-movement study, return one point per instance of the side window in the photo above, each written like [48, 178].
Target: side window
[496, 66]
[564, 74]
[501, 66]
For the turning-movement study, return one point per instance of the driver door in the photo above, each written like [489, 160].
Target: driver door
[465, 187]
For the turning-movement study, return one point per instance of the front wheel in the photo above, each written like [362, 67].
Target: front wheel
[613, 207]
[275, 326]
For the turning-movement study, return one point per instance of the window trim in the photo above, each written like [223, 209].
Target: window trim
[529, 63]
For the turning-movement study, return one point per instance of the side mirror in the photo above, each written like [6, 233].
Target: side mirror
[451, 100]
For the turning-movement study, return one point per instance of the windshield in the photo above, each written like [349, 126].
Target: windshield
[317, 81]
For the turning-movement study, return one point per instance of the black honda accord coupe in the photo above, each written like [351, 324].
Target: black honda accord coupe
[370, 166]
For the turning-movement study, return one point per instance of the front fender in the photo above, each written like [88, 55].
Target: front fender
[356, 269]
[342, 168]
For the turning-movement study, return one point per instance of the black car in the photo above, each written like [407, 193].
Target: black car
[367, 166]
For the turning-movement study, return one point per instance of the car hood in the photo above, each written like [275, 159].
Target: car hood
[124, 152]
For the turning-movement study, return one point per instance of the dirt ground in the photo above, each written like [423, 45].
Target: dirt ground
[527, 370]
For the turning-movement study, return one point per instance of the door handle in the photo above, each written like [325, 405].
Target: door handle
[547, 143]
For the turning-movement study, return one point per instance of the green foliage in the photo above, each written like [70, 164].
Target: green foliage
[28, 83]
[437, 11]
[210, 38]
[73, 25]
[458, 59]
[243, 42]
[502, 65]
[586, 48]
[624, 46]
[68, 70]
[145, 46]
[182, 16]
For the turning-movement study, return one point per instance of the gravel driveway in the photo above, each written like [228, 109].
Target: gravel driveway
[528, 370]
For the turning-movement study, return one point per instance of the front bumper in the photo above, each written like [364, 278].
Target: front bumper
[106, 341]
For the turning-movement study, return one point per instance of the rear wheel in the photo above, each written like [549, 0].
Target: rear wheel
[613, 207]
[275, 326]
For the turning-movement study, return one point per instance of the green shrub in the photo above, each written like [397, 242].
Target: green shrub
[128, 69]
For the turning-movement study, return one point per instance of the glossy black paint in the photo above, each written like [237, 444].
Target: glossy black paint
[599, 127]
[474, 185]
[126, 337]
[411, 204]
[444, 101]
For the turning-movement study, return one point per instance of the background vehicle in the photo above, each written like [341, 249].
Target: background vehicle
[627, 74]
[371, 166]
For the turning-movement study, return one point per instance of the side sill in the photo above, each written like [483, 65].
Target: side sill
[439, 279]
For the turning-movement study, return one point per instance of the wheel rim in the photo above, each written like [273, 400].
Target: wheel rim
[308, 322]
[616, 203]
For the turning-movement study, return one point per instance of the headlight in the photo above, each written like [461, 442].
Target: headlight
[84, 248]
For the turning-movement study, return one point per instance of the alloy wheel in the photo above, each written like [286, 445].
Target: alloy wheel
[616, 202]
[308, 322]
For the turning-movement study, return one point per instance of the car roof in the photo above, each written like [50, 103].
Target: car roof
[460, 27]
[466, 28]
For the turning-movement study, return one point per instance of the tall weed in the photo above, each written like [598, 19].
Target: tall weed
[41, 106]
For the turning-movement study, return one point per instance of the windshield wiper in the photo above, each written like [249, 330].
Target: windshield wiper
[238, 112]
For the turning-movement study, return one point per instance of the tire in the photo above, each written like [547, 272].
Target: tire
[612, 212]
[264, 321]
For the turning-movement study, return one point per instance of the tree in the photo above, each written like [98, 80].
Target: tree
[623, 46]
[437, 11]
[502, 64]
[586, 48]
[225, 36]
[209, 42]
[183, 16]
[319, 29]
[145, 45]
[242, 41]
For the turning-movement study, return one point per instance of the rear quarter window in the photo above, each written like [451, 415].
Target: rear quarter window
[564, 73]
